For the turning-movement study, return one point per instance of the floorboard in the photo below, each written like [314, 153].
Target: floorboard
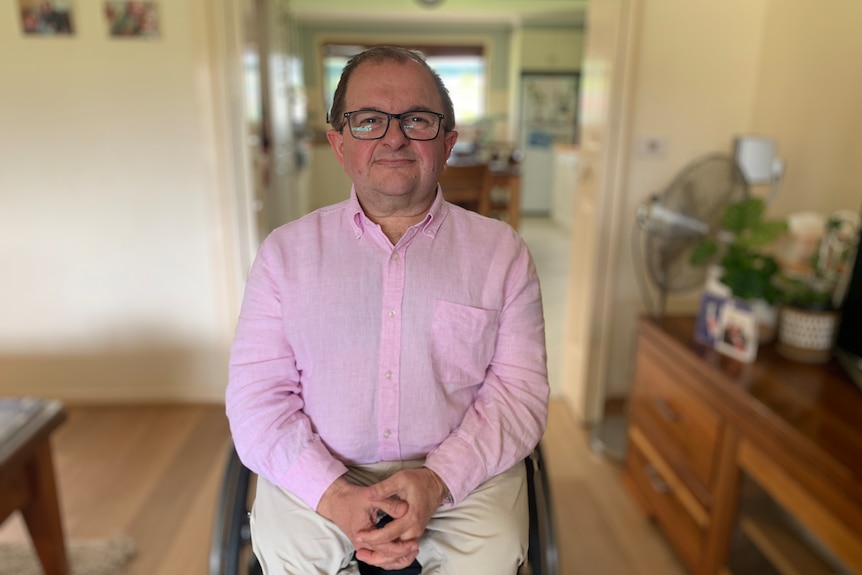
[154, 472]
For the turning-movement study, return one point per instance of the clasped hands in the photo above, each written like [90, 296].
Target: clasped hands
[409, 496]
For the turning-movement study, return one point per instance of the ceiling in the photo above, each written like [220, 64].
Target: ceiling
[516, 12]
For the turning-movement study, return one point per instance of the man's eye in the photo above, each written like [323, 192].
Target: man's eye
[418, 120]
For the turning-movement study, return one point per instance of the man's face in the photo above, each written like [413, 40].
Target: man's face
[393, 166]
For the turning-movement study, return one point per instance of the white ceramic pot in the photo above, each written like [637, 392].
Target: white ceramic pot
[807, 336]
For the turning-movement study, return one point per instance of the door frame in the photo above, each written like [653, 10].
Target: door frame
[604, 158]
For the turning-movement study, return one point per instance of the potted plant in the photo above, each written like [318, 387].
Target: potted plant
[812, 294]
[742, 260]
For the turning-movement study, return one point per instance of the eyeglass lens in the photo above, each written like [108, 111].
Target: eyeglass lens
[372, 125]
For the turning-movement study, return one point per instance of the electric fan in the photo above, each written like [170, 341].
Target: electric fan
[669, 226]
[672, 223]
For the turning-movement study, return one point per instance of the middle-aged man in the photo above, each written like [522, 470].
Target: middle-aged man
[390, 356]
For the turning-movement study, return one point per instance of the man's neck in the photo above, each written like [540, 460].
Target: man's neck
[394, 227]
[393, 219]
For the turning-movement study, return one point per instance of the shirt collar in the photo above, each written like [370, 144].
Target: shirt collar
[428, 226]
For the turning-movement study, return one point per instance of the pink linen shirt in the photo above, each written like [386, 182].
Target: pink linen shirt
[349, 350]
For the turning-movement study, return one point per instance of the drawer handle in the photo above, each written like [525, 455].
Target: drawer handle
[663, 408]
[658, 484]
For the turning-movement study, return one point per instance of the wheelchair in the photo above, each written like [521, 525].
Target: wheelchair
[230, 550]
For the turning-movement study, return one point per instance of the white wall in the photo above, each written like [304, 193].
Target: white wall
[111, 245]
[550, 49]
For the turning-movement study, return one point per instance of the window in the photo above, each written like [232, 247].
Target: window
[462, 70]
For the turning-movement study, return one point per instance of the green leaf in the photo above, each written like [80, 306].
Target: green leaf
[743, 215]
[703, 252]
[766, 232]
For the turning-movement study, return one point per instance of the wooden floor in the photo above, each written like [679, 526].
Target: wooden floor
[153, 473]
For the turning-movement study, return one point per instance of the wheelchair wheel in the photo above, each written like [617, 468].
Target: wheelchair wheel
[542, 553]
[230, 551]
[230, 548]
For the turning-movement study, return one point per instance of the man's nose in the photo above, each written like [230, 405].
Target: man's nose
[395, 133]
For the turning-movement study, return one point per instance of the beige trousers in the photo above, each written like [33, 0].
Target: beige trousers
[486, 534]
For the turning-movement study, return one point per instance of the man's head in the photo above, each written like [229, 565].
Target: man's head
[380, 55]
[399, 133]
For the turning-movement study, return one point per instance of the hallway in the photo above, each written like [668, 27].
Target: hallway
[549, 244]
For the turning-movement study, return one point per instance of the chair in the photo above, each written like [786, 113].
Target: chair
[230, 551]
[476, 187]
[468, 186]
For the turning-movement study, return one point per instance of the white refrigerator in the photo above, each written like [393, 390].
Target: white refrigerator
[549, 106]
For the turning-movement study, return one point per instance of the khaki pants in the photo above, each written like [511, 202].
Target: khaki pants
[486, 534]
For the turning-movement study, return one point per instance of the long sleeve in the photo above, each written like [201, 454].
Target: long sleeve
[509, 414]
[350, 350]
[273, 436]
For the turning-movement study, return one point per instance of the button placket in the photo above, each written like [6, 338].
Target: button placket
[390, 357]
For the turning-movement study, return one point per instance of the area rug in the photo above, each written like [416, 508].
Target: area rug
[86, 557]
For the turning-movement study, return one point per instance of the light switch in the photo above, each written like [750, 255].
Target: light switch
[652, 147]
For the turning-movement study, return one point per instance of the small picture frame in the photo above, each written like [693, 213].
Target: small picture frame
[708, 326]
[46, 18]
[129, 19]
[738, 331]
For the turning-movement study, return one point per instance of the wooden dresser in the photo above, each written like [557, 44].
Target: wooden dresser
[768, 453]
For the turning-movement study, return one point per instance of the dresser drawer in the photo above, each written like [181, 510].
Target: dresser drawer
[666, 499]
[688, 426]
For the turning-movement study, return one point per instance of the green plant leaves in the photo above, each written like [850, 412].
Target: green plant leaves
[747, 271]
[703, 252]
[750, 275]
[742, 215]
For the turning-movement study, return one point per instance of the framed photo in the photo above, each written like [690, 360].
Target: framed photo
[738, 331]
[127, 19]
[549, 112]
[708, 325]
[46, 18]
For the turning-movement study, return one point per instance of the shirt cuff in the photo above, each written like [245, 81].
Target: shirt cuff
[312, 473]
[456, 463]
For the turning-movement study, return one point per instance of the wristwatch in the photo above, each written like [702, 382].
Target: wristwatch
[447, 498]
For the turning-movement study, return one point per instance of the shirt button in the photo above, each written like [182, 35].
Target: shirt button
[395, 256]
[388, 375]
[386, 434]
[391, 313]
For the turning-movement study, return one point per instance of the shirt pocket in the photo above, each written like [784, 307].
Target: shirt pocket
[463, 339]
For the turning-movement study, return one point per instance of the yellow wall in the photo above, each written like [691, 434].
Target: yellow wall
[709, 71]
[110, 233]
[113, 225]
[809, 97]
[546, 49]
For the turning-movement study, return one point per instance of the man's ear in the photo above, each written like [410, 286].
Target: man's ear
[336, 141]
[449, 140]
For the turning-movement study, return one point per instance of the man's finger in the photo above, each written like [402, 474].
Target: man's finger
[395, 552]
[387, 489]
[394, 508]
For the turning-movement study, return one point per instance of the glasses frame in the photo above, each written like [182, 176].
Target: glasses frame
[389, 118]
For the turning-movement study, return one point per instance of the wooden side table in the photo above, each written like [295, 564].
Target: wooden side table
[511, 180]
[27, 475]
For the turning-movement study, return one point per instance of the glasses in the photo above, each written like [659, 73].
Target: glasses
[373, 125]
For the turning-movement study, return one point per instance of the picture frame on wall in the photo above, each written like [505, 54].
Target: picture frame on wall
[46, 17]
[550, 106]
[128, 19]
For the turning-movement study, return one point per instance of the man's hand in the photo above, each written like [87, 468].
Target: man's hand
[353, 510]
[422, 490]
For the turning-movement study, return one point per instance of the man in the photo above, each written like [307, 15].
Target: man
[390, 356]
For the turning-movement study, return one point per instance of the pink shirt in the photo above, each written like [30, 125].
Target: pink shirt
[349, 350]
